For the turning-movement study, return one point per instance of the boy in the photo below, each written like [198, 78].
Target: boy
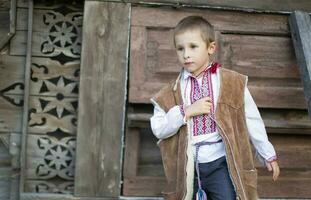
[204, 121]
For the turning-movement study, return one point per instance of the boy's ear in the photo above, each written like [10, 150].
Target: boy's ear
[211, 48]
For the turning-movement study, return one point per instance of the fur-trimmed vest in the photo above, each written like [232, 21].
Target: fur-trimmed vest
[177, 153]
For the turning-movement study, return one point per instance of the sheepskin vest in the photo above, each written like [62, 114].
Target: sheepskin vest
[176, 151]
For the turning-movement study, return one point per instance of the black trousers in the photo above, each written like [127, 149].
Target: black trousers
[215, 180]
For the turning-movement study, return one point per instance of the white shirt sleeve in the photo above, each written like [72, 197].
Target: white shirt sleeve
[164, 124]
[256, 129]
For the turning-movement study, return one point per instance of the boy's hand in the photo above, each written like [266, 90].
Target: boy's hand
[273, 166]
[200, 107]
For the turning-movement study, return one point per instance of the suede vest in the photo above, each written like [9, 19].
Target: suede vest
[231, 124]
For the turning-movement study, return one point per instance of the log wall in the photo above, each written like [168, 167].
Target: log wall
[258, 45]
[253, 38]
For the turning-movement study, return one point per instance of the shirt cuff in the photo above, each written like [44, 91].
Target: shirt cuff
[182, 110]
[271, 159]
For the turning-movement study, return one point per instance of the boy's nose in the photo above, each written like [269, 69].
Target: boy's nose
[186, 54]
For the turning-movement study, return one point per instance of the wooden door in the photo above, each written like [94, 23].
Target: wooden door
[257, 45]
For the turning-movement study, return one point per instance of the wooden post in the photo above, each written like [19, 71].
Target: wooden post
[26, 98]
[300, 24]
[102, 96]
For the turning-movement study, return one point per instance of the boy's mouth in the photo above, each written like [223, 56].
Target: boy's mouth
[188, 63]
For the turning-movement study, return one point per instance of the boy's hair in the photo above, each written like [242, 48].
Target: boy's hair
[196, 23]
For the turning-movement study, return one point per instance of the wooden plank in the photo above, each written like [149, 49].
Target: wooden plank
[279, 121]
[269, 6]
[292, 151]
[15, 148]
[291, 184]
[43, 46]
[131, 156]
[11, 113]
[52, 78]
[14, 190]
[143, 186]
[241, 53]
[5, 174]
[4, 5]
[102, 99]
[48, 77]
[224, 21]
[11, 74]
[53, 116]
[273, 78]
[50, 186]
[26, 98]
[50, 157]
[74, 4]
[4, 27]
[300, 24]
[45, 19]
[5, 158]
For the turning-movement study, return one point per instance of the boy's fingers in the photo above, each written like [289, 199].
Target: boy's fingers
[269, 166]
[276, 171]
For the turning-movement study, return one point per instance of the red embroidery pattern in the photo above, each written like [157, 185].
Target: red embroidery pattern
[202, 124]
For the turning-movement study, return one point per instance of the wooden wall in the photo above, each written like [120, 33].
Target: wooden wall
[253, 38]
[53, 98]
[256, 44]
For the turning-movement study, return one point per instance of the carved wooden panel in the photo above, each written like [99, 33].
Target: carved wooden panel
[264, 53]
[52, 78]
[53, 116]
[56, 33]
[50, 157]
[58, 187]
[53, 96]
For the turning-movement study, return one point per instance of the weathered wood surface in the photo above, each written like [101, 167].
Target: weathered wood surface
[250, 6]
[10, 114]
[44, 18]
[50, 157]
[50, 4]
[48, 77]
[300, 23]
[56, 187]
[52, 116]
[226, 21]
[27, 75]
[273, 76]
[11, 75]
[52, 78]
[55, 33]
[144, 176]
[4, 27]
[5, 159]
[276, 121]
[43, 46]
[14, 149]
[5, 176]
[102, 99]
[4, 5]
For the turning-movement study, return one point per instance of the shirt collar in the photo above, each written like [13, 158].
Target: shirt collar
[187, 74]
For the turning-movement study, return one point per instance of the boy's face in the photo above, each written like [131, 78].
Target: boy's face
[192, 51]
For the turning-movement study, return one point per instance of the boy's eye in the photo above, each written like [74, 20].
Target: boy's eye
[193, 46]
[180, 49]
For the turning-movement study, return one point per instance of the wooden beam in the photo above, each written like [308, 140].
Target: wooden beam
[267, 6]
[26, 98]
[4, 39]
[104, 61]
[300, 24]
